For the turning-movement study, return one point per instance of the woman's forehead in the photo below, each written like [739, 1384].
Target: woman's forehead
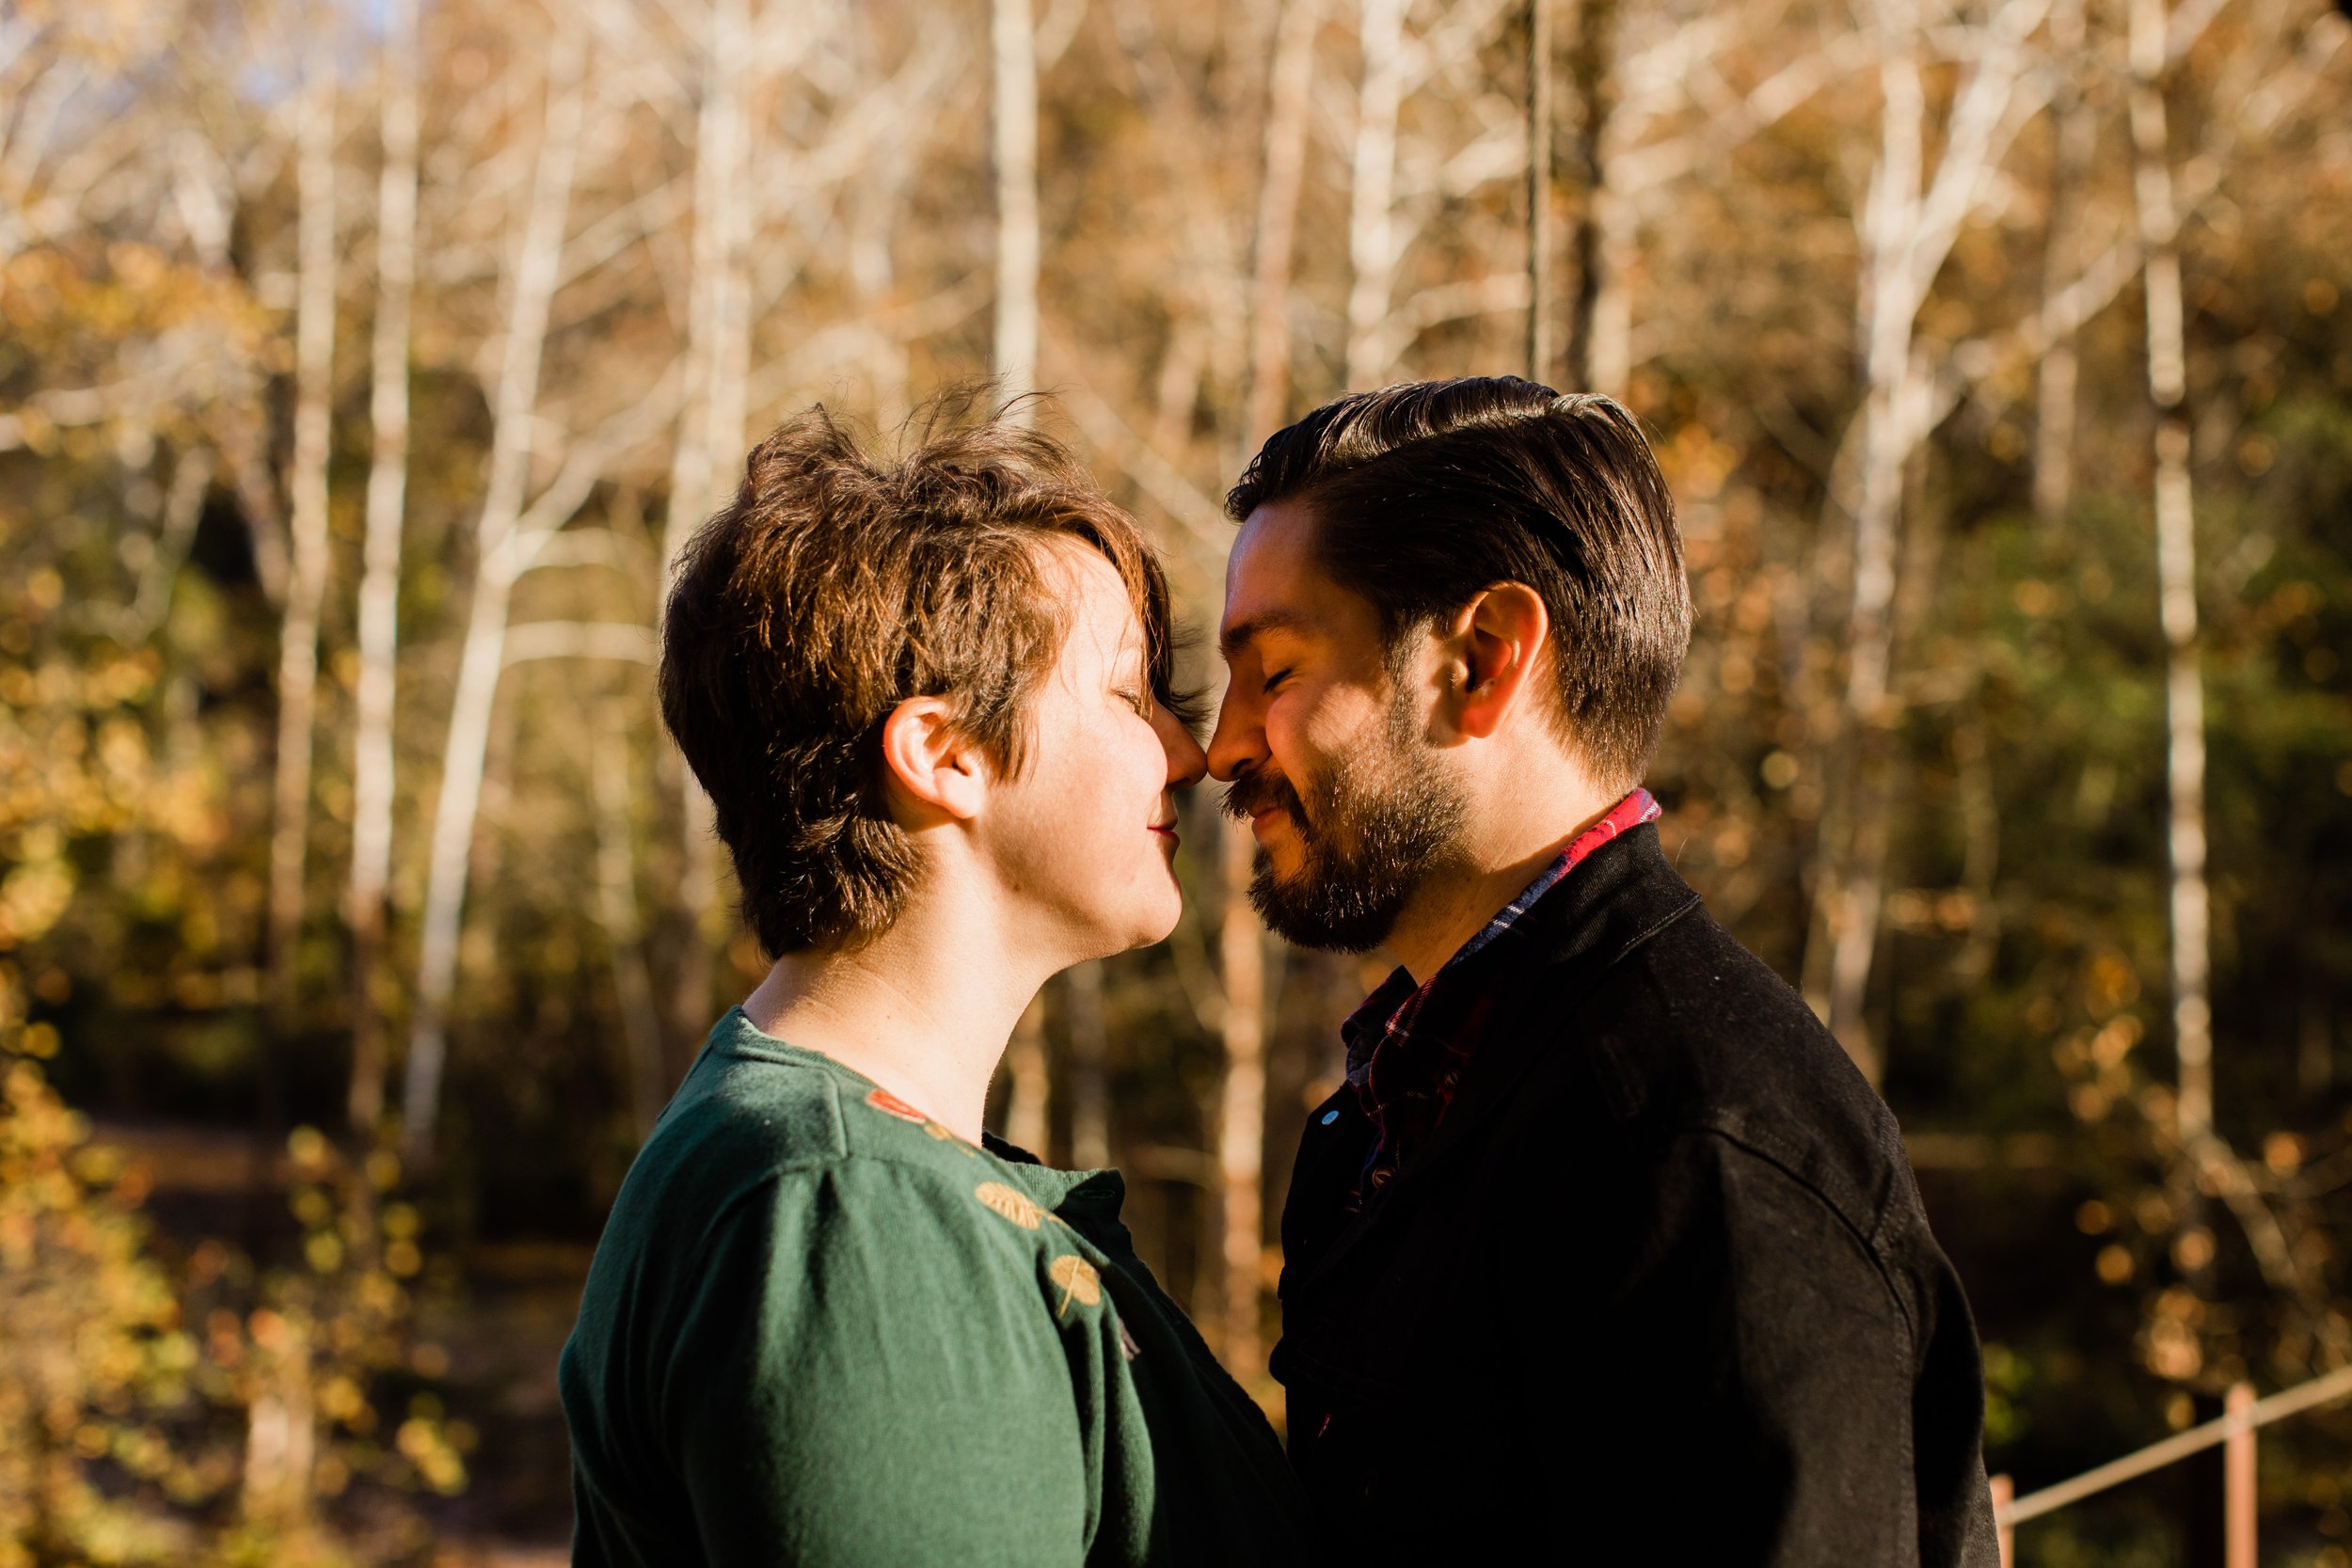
[1097, 604]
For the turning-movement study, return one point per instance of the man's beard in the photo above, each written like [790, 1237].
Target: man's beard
[1379, 822]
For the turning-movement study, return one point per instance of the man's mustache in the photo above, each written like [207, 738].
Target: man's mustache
[1257, 791]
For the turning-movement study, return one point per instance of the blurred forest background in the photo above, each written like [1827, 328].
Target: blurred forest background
[363, 363]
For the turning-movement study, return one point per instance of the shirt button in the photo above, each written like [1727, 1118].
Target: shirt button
[1330, 1117]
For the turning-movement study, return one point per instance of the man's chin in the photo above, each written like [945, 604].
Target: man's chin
[1292, 910]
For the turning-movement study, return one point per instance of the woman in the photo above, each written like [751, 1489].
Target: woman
[830, 1322]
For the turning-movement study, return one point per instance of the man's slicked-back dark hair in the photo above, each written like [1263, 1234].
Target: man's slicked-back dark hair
[1425, 493]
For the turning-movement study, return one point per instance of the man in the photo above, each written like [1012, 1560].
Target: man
[1604, 1252]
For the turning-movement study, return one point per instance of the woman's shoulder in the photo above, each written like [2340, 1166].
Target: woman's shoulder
[788, 1132]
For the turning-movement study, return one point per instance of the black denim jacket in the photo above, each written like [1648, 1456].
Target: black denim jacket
[1658, 1291]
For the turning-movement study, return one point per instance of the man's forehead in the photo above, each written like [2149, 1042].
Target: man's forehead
[1272, 580]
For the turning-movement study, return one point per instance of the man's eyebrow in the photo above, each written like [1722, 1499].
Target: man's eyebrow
[1238, 636]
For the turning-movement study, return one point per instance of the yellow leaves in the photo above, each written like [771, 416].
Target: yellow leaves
[423, 1443]
[32, 897]
[1078, 1282]
[340, 1399]
[309, 1150]
[1012, 1205]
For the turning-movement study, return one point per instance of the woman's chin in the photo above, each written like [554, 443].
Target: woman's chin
[1158, 923]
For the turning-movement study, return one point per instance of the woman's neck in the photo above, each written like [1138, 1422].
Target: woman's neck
[924, 1010]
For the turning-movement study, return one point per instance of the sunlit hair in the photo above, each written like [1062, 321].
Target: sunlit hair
[1425, 493]
[840, 582]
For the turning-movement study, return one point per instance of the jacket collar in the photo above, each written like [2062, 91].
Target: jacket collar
[1541, 968]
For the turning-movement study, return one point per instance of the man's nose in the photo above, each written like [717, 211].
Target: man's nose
[1238, 742]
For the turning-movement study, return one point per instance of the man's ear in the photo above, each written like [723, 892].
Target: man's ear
[1494, 646]
[933, 772]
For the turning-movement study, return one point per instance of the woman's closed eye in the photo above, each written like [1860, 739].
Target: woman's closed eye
[1277, 678]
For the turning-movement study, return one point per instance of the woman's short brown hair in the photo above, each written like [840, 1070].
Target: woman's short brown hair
[841, 582]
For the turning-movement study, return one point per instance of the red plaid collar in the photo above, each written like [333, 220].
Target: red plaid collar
[1407, 1044]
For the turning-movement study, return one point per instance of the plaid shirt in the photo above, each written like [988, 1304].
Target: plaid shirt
[1406, 1045]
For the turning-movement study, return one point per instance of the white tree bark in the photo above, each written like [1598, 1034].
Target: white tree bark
[1289, 85]
[1012, 39]
[710, 428]
[372, 771]
[306, 586]
[2176, 576]
[1371, 249]
[1909, 226]
[1600, 324]
[1543, 322]
[281, 1433]
[623, 930]
[2057, 377]
[513, 404]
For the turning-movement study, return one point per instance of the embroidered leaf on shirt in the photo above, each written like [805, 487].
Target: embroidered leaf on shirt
[1012, 1205]
[890, 1104]
[1077, 1279]
[951, 1140]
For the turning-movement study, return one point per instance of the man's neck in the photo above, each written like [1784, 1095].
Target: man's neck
[925, 1010]
[1454, 903]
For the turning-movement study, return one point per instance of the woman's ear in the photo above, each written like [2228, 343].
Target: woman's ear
[1493, 644]
[933, 772]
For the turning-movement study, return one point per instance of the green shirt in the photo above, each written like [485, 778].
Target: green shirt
[822, 1329]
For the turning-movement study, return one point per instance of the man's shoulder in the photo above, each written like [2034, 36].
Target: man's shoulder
[1692, 1035]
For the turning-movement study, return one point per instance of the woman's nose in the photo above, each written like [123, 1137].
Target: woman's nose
[1186, 762]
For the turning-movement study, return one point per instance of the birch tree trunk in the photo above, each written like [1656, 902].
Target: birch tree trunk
[466, 749]
[1240, 1110]
[1850, 899]
[2176, 576]
[305, 583]
[1908, 227]
[2059, 374]
[281, 1432]
[624, 929]
[1371, 219]
[710, 435]
[1599, 326]
[1290, 84]
[372, 772]
[1012, 37]
[1543, 326]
